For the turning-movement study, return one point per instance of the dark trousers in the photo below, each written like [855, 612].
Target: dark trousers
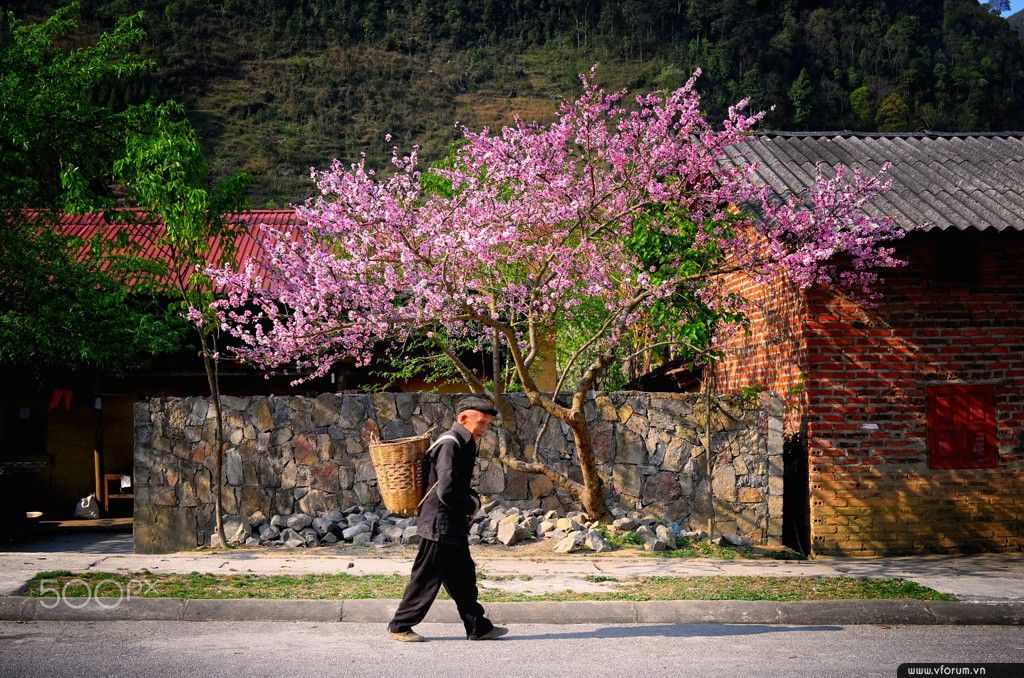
[439, 565]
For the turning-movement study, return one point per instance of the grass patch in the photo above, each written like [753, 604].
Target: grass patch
[699, 549]
[504, 577]
[339, 586]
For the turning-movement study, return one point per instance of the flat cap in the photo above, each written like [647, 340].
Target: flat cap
[478, 403]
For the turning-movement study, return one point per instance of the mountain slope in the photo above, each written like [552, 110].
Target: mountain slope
[275, 88]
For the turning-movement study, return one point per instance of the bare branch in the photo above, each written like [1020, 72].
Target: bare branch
[474, 382]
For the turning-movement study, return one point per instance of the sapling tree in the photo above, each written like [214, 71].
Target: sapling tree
[194, 224]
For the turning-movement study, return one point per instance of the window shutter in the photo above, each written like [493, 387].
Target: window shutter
[961, 426]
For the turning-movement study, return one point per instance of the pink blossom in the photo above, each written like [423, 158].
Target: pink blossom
[535, 226]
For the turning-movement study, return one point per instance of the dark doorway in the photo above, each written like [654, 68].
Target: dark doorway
[796, 503]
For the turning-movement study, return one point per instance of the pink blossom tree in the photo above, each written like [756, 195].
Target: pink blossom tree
[535, 227]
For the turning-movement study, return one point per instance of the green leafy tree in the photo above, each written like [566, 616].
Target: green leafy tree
[166, 175]
[893, 114]
[66, 304]
[801, 95]
[860, 102]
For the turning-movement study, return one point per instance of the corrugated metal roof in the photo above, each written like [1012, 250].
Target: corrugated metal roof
[941, 181]
[146, 234]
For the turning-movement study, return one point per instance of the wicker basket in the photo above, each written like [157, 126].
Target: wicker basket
[399, 467]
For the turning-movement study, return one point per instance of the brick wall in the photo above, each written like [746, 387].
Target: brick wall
[864, 376]
[872, 490]
[770, 352]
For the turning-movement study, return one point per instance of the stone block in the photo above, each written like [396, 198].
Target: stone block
[629, 447]
[233, 467]
[541, 485]
[324, 477]
[751, 495]
[164, 530]
[163, 496]
[304, 449]
[516, 485]
[626, 479]
[723, 484]
[492, 480]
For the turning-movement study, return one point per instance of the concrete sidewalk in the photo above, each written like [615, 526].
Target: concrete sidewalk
[991, 585]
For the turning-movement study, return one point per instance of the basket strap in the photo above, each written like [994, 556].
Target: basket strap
[434, 444]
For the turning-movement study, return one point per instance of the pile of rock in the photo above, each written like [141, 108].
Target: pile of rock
[354, 525]
[495, 524]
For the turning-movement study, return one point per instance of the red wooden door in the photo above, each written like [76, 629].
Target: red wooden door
[961, 426]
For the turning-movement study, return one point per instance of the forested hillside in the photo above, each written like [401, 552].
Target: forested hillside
[1017, 21]
[275, 87]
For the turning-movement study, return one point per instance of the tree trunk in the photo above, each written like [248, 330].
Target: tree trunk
[709, 372]
[593, 487]
[218, 453]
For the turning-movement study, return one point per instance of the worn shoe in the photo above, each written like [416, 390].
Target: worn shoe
[493, 634]
[406, 636]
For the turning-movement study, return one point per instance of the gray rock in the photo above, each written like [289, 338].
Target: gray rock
[555, 534]
[545, 527]
[279, 521]
[252, 541]
[571, 543]
[595, 542]
[310, 535]
[334, 515]
[625, 524]
[257, 519]
[529, 523]
[510, 532]
[362, 539]
[655, 545]
[569, 525]
[350, 533]
[233, 467]
[666, 535]
[393, 533]
[269, 532]
[236, 530]
[410, 535]
[737, 540]
[329, 538]
[299, 521]
[292, 538]
[322, 525]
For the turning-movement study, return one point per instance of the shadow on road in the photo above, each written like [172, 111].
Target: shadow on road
[74, 542]
[668, 631]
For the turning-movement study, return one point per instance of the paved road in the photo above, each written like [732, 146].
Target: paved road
[216, 649]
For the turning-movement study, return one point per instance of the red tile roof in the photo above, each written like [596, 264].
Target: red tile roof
[145, 235]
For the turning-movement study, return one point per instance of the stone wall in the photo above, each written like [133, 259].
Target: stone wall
[294, 454]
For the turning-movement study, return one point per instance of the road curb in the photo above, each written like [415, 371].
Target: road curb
[803, 613]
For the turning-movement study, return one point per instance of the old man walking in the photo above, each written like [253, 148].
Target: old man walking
[443, 526]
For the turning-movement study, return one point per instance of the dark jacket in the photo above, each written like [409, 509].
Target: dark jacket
[446, 513]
